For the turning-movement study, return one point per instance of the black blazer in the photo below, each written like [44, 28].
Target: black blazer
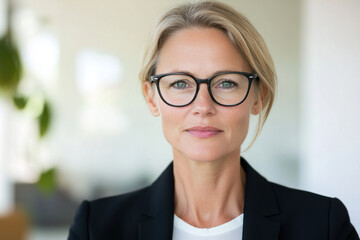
[271, 212]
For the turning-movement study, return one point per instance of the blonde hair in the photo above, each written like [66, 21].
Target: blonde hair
[242, 34]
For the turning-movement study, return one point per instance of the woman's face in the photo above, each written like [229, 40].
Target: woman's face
[203, 130]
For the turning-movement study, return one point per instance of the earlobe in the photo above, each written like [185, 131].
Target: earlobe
[150, 99]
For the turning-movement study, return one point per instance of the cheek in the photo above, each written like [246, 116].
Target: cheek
[238, 122]
[171, 121]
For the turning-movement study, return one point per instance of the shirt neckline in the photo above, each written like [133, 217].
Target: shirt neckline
[221, 229]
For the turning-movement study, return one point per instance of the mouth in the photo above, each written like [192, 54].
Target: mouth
[203, 132]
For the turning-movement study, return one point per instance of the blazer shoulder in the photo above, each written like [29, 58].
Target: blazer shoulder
[125, 207]
[298, 202]
[120, 202]
[297, 195]
[326, 213]
[109, 217]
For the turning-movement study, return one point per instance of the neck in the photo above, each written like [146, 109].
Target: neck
[208, 194]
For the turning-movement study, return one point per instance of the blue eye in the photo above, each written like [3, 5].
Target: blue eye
[179, 84]
[227, 84]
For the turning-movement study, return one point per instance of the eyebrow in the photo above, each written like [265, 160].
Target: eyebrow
[214, 73]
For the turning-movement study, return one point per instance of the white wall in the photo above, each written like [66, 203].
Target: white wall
[330, 141]
[275, 152]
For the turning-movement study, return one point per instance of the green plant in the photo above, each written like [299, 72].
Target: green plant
[10, 78]
[10, 66]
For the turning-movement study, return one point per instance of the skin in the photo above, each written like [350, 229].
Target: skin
[209, 180]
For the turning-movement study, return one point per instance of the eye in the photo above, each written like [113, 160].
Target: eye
[179, 84]
[227, 84]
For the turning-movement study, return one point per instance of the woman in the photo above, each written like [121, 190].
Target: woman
[205, 72]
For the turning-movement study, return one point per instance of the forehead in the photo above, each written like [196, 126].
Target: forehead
[201, 51]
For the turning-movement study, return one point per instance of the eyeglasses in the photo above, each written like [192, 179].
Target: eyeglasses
[226, 88]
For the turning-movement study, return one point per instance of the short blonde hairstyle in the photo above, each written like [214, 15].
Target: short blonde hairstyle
[242, 34]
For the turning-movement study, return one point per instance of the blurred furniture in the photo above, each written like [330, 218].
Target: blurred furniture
[14, 226]
[54, 209]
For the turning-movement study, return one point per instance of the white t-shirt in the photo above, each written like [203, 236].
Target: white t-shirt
[231, 230]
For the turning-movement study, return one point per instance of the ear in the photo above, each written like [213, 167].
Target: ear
[150, 98]
[261, 94]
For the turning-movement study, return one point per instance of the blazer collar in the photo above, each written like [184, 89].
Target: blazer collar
[259, 196]
[159, 208]
[260, 204]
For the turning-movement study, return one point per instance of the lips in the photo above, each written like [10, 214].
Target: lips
[203, 132]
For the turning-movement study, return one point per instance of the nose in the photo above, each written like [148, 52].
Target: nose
[203, 104]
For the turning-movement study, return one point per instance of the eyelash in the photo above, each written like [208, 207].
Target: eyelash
[179, 81]
[234, 84]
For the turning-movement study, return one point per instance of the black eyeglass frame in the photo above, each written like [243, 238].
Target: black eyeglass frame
[156, 79]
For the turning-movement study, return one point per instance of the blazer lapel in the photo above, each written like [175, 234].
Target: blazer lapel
[159, 227]
[260, 205]
[158, 210]
[259, 227]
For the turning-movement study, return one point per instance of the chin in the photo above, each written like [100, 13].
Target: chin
[204, 154]
[204, 150]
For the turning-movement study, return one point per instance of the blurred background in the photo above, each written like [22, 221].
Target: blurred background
[74, 124]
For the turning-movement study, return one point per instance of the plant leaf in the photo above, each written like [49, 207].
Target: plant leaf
[44, 120]
[10, 65]
[47, 181]
[20, 101]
